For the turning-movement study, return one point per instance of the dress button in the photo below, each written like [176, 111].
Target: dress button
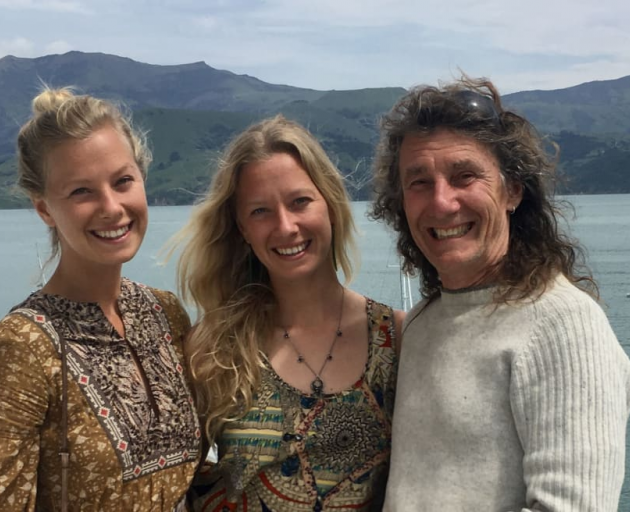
[225, 509]
[318, 507]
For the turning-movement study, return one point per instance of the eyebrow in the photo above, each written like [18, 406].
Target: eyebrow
[466, 163]
[300, 192]
[83, 181]
[456, 165]
[413, 171]
[304, 191]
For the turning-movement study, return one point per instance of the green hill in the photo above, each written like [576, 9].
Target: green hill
[195, 86]
[186, 145]
[192, 110]
[600, 107]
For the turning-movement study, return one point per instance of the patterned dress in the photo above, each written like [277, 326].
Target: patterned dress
[134, 437]
[294, 452]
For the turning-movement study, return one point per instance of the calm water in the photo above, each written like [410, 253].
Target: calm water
[602, 223]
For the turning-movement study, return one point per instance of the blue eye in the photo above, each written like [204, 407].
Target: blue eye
[258, 211]
[124, 180]
[79, 191]
[302, 201]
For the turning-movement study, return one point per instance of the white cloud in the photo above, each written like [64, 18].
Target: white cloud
[561, 78]
[559, 26]
[378, 42]
[341, 44]
[58, 47]
[70, 6]
[16, 4]
[18, 47]
[206, 22]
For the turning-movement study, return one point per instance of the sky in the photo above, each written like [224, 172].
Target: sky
[341, 44]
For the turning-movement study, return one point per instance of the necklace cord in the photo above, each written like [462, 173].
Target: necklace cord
[317, 385]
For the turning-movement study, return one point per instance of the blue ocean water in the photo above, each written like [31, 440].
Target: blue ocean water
[600, 222]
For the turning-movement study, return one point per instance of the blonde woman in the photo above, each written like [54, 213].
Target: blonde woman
[294, 373]
[95, 413]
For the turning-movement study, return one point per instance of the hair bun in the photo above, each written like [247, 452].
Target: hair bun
[50, 100]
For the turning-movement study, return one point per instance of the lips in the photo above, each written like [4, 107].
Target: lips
[113, 234]
[453, 232]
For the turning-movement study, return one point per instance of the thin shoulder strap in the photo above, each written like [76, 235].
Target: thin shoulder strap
[64, 453]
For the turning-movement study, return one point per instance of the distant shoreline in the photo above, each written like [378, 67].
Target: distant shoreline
[28, 206]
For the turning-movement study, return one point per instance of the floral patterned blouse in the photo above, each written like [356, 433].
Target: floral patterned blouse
[133, 434]
[293, 452]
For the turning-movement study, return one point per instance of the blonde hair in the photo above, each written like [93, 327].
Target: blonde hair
[58, 116]
[214, 270]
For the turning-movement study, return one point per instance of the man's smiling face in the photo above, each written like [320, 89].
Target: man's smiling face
[457, 205]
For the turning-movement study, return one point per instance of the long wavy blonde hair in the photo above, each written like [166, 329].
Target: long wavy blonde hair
[235, 303]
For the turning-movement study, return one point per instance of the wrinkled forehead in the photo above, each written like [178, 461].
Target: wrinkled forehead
[445, 144]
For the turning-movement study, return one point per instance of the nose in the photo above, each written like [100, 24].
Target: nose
[445, 199]
[110, 205]
[286, 222]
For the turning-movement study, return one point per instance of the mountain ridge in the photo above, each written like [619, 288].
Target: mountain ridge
[193, 109]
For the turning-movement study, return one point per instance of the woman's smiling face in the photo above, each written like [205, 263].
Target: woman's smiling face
[284, 217]
[95, 199]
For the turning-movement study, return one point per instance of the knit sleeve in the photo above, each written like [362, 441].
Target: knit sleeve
[569, 394]
[24, 391]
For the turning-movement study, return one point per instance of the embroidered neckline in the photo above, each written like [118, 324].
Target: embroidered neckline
[89, 334]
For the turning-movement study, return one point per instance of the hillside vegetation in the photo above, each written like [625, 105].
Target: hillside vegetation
[191, 111]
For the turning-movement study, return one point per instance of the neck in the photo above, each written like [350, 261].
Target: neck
[484, 278]
[100, 285]
[311, 303]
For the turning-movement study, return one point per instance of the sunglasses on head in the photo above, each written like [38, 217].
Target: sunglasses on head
[463, 107]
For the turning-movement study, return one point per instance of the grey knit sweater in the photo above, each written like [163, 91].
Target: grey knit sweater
[509, 408]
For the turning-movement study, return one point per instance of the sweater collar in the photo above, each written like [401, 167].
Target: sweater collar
[473, 296]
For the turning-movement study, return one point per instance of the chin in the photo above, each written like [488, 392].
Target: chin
[120, 259]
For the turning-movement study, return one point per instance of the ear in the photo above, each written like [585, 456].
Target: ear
[515, 193]
[42, 210]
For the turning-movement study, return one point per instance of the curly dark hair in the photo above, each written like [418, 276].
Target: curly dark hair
[538, 249]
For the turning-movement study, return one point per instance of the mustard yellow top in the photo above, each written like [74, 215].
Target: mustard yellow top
[134, 437]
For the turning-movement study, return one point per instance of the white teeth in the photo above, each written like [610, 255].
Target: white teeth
[441, 234]
[291, 250]
[113, 234]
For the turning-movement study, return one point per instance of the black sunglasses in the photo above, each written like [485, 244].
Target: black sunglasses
[463, 108]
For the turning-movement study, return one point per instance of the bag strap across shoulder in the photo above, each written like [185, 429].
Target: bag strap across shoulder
[64, 452]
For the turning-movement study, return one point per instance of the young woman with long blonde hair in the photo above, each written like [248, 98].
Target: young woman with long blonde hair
[294, 373]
